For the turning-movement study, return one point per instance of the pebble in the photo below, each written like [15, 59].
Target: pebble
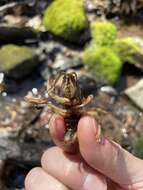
[1, 77]
[109, 90]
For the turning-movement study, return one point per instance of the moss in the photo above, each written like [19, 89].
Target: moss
[11, 55]
[128, 50]
[18, 60]
[103, 62]
[103, 33]
[66, 19]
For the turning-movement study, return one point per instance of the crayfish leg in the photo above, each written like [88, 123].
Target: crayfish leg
[37, 102]
[57, 110]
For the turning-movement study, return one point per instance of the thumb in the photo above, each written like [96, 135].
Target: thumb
[108, 157]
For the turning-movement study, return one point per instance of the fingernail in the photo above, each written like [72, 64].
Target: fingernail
[59, 127]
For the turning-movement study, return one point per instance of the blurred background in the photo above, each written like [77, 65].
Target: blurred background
[101, 40]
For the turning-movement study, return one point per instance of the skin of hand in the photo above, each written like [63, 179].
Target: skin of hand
[95, 166]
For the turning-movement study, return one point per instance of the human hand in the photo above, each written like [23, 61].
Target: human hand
[97, 166]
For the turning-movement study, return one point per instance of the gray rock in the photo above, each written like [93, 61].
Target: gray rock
[135, 93]
[65, 63]
[19, 139]
[109, 90]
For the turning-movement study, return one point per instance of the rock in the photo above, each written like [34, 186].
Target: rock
[17, 61]
[130, 50]
[66, 19]
[116, 7]
[103, 62]
[87, 82]
[14, 173]
[20, 136]
[35, 23]
[96, 7]
[65, 63]
[2, 169]
[9, 34]
[59, 57]
[135, 93]
[103, 33]
[109, 90]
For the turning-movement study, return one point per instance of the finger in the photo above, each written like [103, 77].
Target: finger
[108, 157]
[113, 186]
[72, 171]
[57, 131]
[38, 179]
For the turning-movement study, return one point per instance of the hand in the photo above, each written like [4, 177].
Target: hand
[97, 166]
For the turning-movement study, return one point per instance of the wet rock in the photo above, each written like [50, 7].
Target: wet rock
[9, 34]
[20, 136]
[87, 82]
[17, 61]
[58, 56]
[109, 90]
[135, 93]
[14, 173]
[51, 47]
[65, 63]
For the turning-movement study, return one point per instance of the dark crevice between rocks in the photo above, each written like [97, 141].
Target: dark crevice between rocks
[21, 86]
[136, 18]
[15, 171]
[129, 70]
[85, 37]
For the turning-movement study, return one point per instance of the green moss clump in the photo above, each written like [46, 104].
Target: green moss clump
[128, 50]
[17, 60]
[103, 62]
[103, 33]
[66, 19]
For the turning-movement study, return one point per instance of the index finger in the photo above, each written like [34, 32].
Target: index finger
[57, 131]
